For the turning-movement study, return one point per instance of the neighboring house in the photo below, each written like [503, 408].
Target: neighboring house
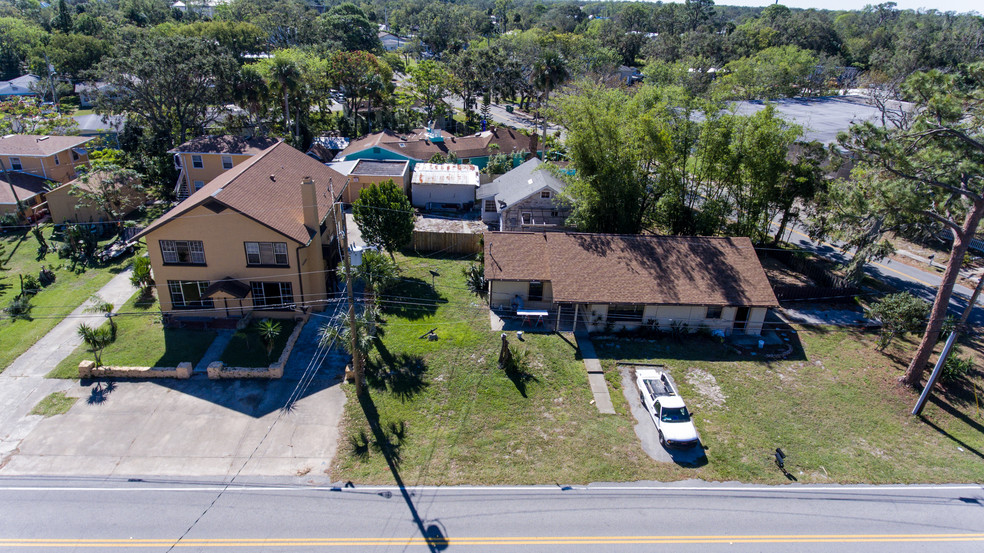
[422, 144]
[526, 198]
[363, 172]
[53, 158]
[202, 159]
[438, 185]
[325, 148]
[392, 42]
[100, 125]
[66, 207]
[610, 281]
[259, 237]
[205, 8]
[28, 189]
[25, 85]
[629, 75]
[87, 92]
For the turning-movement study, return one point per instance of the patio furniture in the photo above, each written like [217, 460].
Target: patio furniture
[532, 315]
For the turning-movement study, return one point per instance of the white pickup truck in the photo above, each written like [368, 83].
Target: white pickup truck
[667, 409]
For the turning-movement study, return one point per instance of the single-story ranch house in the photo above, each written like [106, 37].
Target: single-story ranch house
[610, 281]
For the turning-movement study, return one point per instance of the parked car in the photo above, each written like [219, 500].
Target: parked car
[667, 409]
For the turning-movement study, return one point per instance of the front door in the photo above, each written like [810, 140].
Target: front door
[741, 319]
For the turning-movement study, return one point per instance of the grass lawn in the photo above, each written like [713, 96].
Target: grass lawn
[247, 350]
[55, 404]
[70, 289]
[141, 341]
[450, 416]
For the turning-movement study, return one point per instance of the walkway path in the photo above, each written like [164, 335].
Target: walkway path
[596, 377]
[214, 351]
[23, 385]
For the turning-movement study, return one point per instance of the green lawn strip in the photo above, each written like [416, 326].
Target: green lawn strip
[838, 413]
[463, 420]
[141, 341]
[70, 289]
[245, 349]
[56, 403]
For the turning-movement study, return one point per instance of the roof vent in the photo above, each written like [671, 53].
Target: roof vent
[43, 138]
[273, 177]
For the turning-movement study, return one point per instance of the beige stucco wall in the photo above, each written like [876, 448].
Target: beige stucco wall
[503, 292]
[45, 167]
[212, 167]
[223, 236]
[64, 207]
[358, 182]
[756, 318]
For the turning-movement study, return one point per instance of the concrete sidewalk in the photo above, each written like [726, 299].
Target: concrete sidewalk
[596, 377]
[22, 384]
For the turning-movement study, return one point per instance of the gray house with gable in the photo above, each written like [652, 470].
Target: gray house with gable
[526, 198]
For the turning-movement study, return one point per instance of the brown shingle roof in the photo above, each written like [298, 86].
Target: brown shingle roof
[38, 145]
[224, 144]
[611, 268]
[267, 189]
[416, 146]
[92, 184]
[26, 185]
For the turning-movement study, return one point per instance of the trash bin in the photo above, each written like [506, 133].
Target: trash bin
[761, 344]
[509, 109]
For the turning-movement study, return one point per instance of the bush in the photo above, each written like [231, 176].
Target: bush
[899, 314]
[141, 277]
[8, 220]
[955, 367]
[475, 279]
[30, 285]
[19, 307]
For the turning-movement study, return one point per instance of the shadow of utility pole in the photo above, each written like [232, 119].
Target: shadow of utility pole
[433, 534]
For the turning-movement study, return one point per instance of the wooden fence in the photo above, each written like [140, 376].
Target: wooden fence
[827, 286]
[447, 242]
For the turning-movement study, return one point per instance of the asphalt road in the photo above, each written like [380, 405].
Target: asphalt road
[54, 515]
[920, 283]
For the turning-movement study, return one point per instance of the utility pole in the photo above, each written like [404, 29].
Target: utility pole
[353, 323]
[921, 403]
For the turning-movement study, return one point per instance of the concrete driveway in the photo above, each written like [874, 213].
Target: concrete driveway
[645, 428]
[196, 427]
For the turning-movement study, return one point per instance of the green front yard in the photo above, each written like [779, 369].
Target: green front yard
[49, 306]
[141, 341]
[450, 416]
[246, 349]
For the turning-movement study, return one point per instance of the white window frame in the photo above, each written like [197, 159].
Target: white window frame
[199, 184]
[526, 217]
[490, 203]
[197, 162]
[719, 312]
[171, 254]
[176, 289]
[284, 301]
[227, 162]
[544, 194]
[57, 161]
[278, 250]
[15, 164]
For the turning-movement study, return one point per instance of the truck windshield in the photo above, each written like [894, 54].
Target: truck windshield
[676, 414]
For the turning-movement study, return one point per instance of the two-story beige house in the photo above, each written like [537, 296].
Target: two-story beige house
[202, 159]
[261, 236]
[53, 158]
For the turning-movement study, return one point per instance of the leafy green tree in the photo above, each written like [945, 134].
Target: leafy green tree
[111, 188]
[170, 83]
[141, 276]
[550, 72]
[777, 72]
[72, 54]
[899, 314]
[63, 17]
[925, 169]
[385, 216]
[359, 76]
[431, 82]
[18, 38]
[29, 117]
[347, 26]
[239, 38]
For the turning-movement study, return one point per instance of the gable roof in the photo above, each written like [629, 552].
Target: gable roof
[520, 183]
[613, 268]
[267, 189]
[25, 184]
[224, 144]
[38, 145]
[19, 86]
[416, 145]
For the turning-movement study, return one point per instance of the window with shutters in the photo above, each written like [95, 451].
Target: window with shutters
[183, 252]
[267, 253]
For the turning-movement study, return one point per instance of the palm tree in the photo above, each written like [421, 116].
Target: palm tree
[550, 72]
[97, 339]
[286, 75]
[340, 331]
[100, 305]
[268, 330]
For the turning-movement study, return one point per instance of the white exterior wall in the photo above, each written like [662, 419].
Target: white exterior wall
[442, 193]
[756, 318]
[502, 293]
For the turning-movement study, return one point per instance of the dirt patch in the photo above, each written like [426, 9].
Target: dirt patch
[781, 275]
[434, 224]
[706, 385]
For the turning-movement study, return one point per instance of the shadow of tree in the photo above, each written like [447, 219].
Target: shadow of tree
[99, 391]
[416, 299]
[402, 375]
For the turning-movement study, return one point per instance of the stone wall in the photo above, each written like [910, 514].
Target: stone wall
[217, 370]
[88, 369]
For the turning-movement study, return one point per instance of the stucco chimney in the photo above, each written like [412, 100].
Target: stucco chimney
[310, 199]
